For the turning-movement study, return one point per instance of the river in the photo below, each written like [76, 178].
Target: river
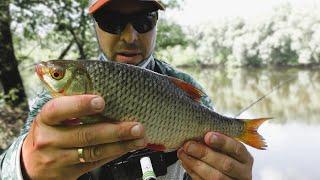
[293, 136]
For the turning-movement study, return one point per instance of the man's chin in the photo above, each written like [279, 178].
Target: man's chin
[129, 59]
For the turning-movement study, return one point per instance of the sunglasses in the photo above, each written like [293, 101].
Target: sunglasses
[115, 23]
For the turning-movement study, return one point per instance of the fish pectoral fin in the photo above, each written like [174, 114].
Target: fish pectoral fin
[156, 147]
[250, 135]
[192, 91]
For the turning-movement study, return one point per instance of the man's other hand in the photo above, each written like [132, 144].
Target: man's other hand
[221, 158]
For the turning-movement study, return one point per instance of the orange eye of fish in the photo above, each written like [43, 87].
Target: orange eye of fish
[57, 74]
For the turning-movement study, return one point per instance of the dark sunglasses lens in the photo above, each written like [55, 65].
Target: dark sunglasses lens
[110, 22]
[110, 27]
[146, 22]
[115, 25]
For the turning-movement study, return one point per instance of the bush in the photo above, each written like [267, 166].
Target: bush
[287, 37]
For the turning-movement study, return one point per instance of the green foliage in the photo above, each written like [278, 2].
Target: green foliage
[12, 96]
[170, 34]
[173, 3]
[58, 22]
[286, 37]
[284, 55]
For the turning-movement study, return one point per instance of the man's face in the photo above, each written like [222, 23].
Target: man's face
[129, 46]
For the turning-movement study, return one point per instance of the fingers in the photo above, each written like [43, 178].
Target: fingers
[99, 141]
[190, 172]
[67, 107]
[223, 154]
[199, 169]
[95, 134]
[228, 146]
[105, 151]
[219, 161]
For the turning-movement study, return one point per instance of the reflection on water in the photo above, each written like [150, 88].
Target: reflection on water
[293, 135]
[233, 90]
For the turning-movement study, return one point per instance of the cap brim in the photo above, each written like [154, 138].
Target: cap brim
[100, 3]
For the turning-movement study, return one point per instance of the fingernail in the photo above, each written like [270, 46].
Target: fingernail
[191, 148]
[136, 130]
[140, 143]
[213, 138]
[97, 103]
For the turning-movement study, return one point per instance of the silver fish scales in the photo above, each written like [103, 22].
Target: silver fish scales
[168, 108]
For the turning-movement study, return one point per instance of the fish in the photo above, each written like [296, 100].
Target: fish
[169, 108]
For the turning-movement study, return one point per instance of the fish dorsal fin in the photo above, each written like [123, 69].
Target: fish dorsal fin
[192, 91]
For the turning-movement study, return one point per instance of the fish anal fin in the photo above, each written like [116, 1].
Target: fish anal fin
[156, 147]
[250, 135]
[192, 91]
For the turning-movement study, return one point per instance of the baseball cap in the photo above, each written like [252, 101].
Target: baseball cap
[97, 4]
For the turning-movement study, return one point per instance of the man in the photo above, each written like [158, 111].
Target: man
[50, 148]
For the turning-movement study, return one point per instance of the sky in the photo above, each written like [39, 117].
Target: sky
[199, 11]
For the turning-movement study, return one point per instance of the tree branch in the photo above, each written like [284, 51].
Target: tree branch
[66, 50]
[78, 43]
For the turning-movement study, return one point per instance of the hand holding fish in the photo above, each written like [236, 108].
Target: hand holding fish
[221, 158]
[50, 150]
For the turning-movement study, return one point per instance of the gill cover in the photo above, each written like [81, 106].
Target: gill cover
[65, 78]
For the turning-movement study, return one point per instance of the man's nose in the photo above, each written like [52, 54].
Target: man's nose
[129, 34]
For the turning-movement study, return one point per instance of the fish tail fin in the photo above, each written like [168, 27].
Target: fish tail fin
[250, 135]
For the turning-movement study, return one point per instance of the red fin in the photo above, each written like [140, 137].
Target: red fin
[192, 91]
[156, 147]
[251, 136]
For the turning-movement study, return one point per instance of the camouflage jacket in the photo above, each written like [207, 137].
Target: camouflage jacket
[10, 167]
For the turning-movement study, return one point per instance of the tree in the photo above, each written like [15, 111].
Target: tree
[170, 34]
[9, 74]
[64, 22]
[286, 37]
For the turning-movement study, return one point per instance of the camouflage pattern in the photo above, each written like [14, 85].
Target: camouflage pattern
[10, 160]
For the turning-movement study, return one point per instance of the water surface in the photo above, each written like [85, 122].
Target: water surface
[293, 136]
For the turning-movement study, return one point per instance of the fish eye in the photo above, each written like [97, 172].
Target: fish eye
[57, 73]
